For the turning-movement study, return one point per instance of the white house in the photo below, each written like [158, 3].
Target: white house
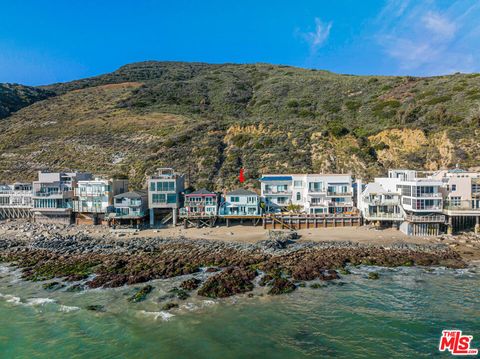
[310, 193]
[378, 204]
[461, 192]
[240, 202]
[15, 200]
[421, 200]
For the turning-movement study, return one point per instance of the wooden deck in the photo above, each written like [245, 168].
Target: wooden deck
[277, 221]
[295, 222]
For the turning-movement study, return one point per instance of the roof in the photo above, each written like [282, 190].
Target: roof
[241, 192]
[276, 178]
[202, 191]
[374, 188]
[132, 194]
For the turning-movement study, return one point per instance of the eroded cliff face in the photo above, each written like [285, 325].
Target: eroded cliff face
[341, 155]
[413, 148]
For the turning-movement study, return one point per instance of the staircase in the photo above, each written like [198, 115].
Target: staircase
[167, 218]
[282, 223]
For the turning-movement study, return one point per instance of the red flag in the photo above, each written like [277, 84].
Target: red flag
[241, 176]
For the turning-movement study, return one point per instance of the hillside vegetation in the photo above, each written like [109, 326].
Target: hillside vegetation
[210, 120]
[13, 97]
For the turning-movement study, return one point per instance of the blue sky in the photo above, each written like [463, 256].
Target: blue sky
[50, 41]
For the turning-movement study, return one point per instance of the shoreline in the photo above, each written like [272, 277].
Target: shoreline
[67, 255]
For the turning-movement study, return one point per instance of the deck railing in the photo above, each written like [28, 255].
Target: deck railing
[425, 219]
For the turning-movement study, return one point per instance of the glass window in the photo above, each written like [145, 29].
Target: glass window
[455, 201]
[299, 196]
[152, 186]
[298, 184]
[158, 198]
[171, 198]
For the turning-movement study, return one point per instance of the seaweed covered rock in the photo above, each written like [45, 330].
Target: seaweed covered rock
[281, 286]
[265, 280]
[373, 275]
[95, 307]
[170, 305]
[344, 271]
[75, 288]
[329, 274]
[231, 281]
[53, 286]
[211, 270]
[179, 293]
[190, 284]
[141, 295]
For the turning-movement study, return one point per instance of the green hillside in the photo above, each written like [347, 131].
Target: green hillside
[13, 97]
[209, 120]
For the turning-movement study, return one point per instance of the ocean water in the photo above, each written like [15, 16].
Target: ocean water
[401, 315]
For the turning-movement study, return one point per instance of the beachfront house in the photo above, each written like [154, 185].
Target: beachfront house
[461, 193]
[308, 193]
[53, 195]
[130, 208]
[15, 200]
[94, 199]
[201, 203]
[240, 202]
[165, 189]
[379, 205]
[276, 190]
[421, 200]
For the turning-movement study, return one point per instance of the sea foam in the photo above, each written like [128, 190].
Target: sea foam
[39, 301]
[11, 299]
[155, 315]
[67, 309]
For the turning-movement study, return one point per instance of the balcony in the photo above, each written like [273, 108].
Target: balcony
[274, 193]
[316, 190]
[383, 216]
[426, 195]
[467, 206]
[318, 203]
[59, 193]
[129, 215]
[78, 207]
[52, 209]
[382, 202]
[340, 204]
[79, 193]
[339, 194]
[425, 219]
[427, 208]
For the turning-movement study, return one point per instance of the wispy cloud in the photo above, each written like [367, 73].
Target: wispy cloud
[318, 37]
[428, 40]
[440, 25]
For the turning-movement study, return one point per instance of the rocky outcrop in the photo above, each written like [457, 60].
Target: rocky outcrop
[281, 286]
[231, 281]
[115, 262]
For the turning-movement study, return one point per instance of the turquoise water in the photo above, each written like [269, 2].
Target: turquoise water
[399, 316]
